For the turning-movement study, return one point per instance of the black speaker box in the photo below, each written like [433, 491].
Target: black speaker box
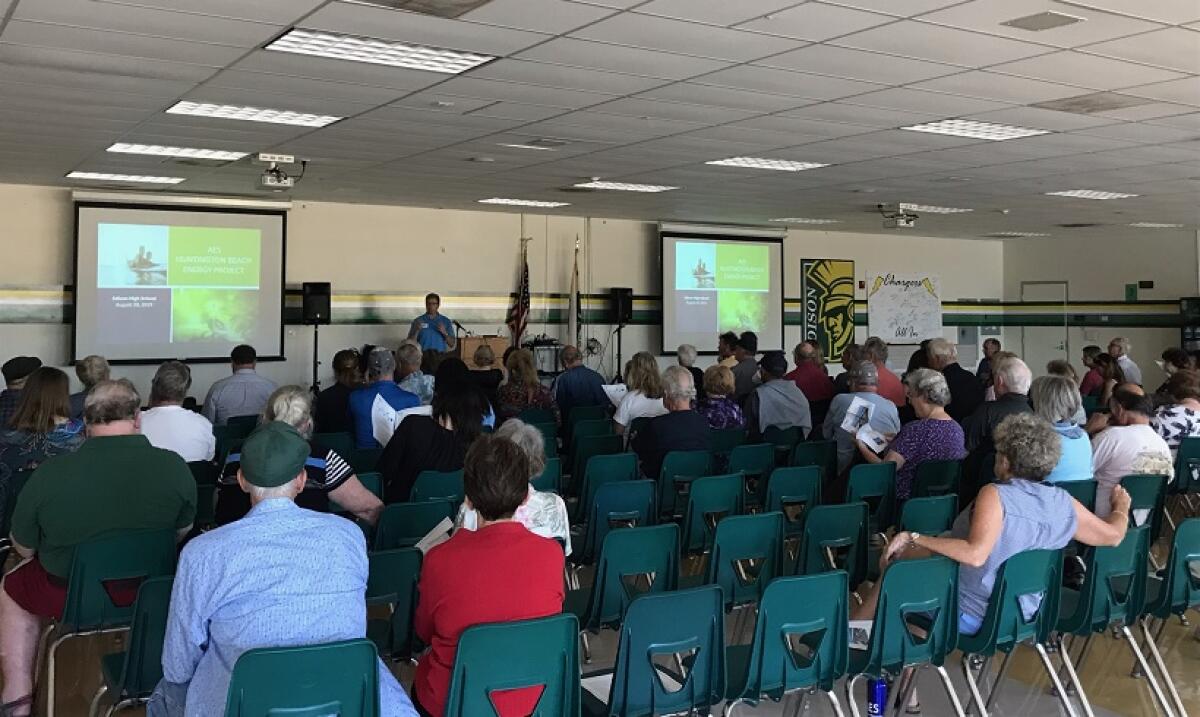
[622, 305]
[315, 308]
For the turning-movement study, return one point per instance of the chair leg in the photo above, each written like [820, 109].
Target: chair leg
[729, 706]
[1152, 646]
[1163, 704]
[904, 689]
[958, 708]
[976, 697]
[850, 683]
[50, 674]
[96, 700]
[833, 702]
[587, 649]
[1066, 658]
[991, 698]
[1058, 685]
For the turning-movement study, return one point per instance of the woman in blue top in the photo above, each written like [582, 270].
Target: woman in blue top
[1056, 399]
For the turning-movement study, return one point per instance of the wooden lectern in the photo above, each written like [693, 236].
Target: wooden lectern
[468, 344]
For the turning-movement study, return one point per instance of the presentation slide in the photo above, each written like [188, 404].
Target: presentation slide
[159, 283]
[714, 283]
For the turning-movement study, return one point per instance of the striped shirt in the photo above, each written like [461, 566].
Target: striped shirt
[326, 470]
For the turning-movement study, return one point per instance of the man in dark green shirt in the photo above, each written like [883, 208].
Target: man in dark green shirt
[115, 482]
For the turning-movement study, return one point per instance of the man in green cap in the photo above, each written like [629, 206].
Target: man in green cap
[281, 576]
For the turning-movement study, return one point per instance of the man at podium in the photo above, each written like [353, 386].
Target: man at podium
[432, 330]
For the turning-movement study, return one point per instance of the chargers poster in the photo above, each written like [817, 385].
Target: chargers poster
[827, 292]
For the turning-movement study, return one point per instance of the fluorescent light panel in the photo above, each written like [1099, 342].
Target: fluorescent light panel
[1017, 234]
[524, 202]
[931, 209]
[251, 114]
[1090, 194]
[139, 178]
[377, 52]
[975, 130]
[782, 165]
[526, 146]
[625, 186]
[805, 220]
[1155, 225]
[159, 150]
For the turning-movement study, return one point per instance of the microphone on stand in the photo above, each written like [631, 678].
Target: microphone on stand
[460, 327]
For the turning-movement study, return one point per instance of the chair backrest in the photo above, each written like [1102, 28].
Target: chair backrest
[710, 500]
[142, 668]
[107, 569]
[205, 472]
[678, 469]
[1147, 495]
[793, 491]
[402, 525]
[599, 426]
[497, 657]
[657, 628]
[627, 556]
[363, 460]
[588, 446]
[392, 579]
[537, 415]
[622, 504]
[549, 431]
[941, 477]
[755, 462]
[341, 442]
[1083, 491]
[747, 554]
[723, 440]
[805, 610]
[373, 482]
[336, 678]
[601, 470]
[922, 591]
[11, 491]
[242, 426]
[783, 437]
[930, 516]
[1113, 587]
[816, 453]
[875, 485]
[550, 479]
[438, 485]
[579, 414]
[830, 529]
[1032, 572]
[1187, 466]
[1180, 589]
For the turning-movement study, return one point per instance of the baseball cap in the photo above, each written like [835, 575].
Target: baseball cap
[19, 367]
[381, 361]
[774, 363]
[273, 455]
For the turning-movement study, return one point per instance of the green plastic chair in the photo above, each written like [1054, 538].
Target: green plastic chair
[206, 507]
[224, 439]
[242, 426]
[392, 580]
[1175, 592]
[793, 491]
[363, 460]
[549, 438]
[656, 629]
[1147, 501]
[601, 470]
[336, 678]
[929, 516]
[829, 528]
[923, 591]
[723, 440]
[438, 485]
[710, 500]
[942, 477]
[747, 554]
[1083, 491]
[810, 610]
[623, 504]
[816, 453]
[1187, 466]
[679, 468]
[755, 463]
[340, 442]
[550, 479]
[784, 440]
[875, 485]
[110, 564]
[205, 472]
[486, 662]
[588, 446]
[130, 676]
[536, 415]
[373, 482]
[579, 414]
[591, 427]
[402, 525]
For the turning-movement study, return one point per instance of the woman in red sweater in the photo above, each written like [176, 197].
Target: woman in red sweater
[498, 572]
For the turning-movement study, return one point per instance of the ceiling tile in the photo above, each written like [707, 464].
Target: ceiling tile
[1186, 121]
[322, 68]
[514, 111]
[724, 97]
[805, 127]
[86, 40]
[147, 21]
[1037, 118]
[550, 16]
[714, 12]
[940, 44]
[1174, 48]
[467, 86]
[1152, 110]
[989, 85]
[564, 76]
[706, 114]
[435, 101]
[59, 59]
[856, 114]
[302, 87]
[634, 61]
[656, 33]
[900, 8]
[928, 103]
[784, 82]
[620, 4]
[858, 65]
[1185, 91]
[279, 12]
[1175, 12]
[815, 21]
[273, 100]
[987, 16]
[95, 81]
[1092, 71]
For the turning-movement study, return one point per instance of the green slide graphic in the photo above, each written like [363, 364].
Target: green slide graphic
[738, 311]
[213, 256]
[744, 267]
[213, 314]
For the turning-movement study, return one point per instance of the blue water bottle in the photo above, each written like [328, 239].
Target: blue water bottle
[877, 694]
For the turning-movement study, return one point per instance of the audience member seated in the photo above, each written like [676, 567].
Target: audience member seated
[997, 358]
[934, 436]
[682, 428]
[1119, 349]
[726, 347]
[1056, 400]
[167, 424]
[777, 402]
[875, 350]
[984, 372]
[851, 355]
[966, 393]
[544, 513]
[718, 407]
[330, 476]
[496, 573]
[90, 370]
[1010, 379]
[1091, 379]
[686, 356]
[242, 394]
[381, 385]
[116, 481]
[40, 429]
[1173, 361]
[645, 393]
[1062, 367]
[745, 371]
[523, 389]
[485, 374]
[1124, 443]
[577, 385]
[1179, 417]
[410, 376]
[332, 410]
[864, 384]
[1018, 512]
[919, 358]
[812, 380]
[453, 374]
[262, 581]
[15, 371]
[1111, 376]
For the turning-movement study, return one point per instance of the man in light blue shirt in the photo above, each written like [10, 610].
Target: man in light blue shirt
[245, 393]
[262, 581]
[432, 330]
[864, 384]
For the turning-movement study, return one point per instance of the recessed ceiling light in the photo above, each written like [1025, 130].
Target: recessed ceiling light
[251, 114]
[159, 150]
[523, 202]
[625, 186]
[1155, 225]
[138, 178]
[975, 130]
[805, 220]
[1007, 235]
[782, 165]
[1043, 21]
[1091, 194]
[377, 52]
[931, 209]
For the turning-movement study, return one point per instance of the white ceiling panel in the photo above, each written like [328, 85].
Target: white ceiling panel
[1152, 110]
[302, 87]
[276, 101]
[715, 12]
[816, 21]
[987, 16]
[95, 81]
[145, 21]
[656, 33]
[933, 104]
[518, 92]
[784, 82]
[86, 40]
[724, 97]
[59, 59]
[686, 112]
[564, 76]
[1185, 91]
[79, 99]
[805, 127]
[549, 16]
[1082, 70]
[321, 68]
[1175, 12]
[634, 61]
[1174, 48]
[1037, 118]
[281, 12]
[434, 101]
[899, 8]
[855, 114]
[1187, 121]
[1017, 90]
[858, 65]
[941, 44]
[515, 111]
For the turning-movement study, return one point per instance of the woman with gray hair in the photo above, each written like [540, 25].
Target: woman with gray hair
[1056, 399]
[544, 513]
[934, 436]
[330, 477]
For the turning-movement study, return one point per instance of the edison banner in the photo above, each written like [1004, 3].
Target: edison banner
[827, 289]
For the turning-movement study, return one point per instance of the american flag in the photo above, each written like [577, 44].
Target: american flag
[518, 313]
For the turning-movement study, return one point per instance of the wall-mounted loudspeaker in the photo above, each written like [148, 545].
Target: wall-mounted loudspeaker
[315, 308]
[622, 305]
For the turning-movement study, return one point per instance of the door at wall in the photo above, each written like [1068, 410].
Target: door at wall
[1050, 341]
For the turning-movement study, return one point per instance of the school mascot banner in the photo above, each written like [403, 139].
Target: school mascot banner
[827, 290]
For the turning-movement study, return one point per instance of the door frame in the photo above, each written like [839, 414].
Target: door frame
[1066, 301]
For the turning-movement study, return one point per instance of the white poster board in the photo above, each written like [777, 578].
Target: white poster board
[904, 308]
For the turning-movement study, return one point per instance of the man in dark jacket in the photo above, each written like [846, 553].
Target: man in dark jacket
[966, 393]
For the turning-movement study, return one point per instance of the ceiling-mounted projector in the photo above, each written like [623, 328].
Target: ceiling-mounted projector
[897, 215]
